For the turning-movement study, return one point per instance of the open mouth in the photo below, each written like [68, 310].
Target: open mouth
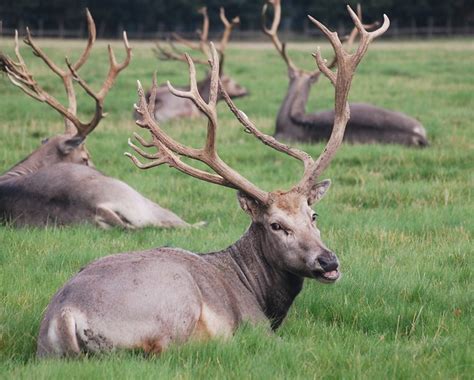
[327, 277]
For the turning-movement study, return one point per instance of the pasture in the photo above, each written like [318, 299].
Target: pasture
[400, 220]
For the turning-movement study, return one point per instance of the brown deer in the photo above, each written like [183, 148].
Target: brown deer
[152, 298]
[368, 123]
[168, 106]
[56, 183]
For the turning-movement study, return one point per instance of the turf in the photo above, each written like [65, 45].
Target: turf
[400, 220]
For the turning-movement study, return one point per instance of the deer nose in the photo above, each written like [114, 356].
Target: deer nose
[328, 261]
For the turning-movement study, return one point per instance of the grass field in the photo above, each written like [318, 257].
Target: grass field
[401, 221]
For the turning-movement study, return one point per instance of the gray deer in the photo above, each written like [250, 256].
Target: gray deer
[168, 106]
[152, 298]
[56, 184]
[368, 123]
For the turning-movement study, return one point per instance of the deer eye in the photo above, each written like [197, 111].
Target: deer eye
[275, 226]
[314, 217]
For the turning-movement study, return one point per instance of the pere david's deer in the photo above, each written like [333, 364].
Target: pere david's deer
[168, 106]
[56, 183]
[149, 299]
[368, 123]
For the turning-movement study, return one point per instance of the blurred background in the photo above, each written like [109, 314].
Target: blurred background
[145, 19]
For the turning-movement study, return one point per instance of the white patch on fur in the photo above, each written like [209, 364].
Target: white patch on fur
[53, 337]
[216, 325]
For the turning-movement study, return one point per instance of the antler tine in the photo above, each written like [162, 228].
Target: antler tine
[228, 26]
[273, 31]
[204, 33]
[209, 109]
[171, 149]
[21, 77]
[176, 55]
[186, 42]
[346, 65]
[348, 40]
[90, 41]
[83, 129]
[28, 40]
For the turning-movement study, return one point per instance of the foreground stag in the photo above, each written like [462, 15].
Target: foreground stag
[152, 298]
[168, 106]
[56, 183]
[368, 123]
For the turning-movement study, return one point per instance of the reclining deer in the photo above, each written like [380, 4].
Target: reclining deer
[56, 183]
[152, 298]
[368, 123]
[168, 106]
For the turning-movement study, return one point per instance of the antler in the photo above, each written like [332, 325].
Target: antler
[281, 47]
[272, 32]
[228, 26]
[341, 80]
[175, 54]
[20, 76]
[203, 46]
[169, 150]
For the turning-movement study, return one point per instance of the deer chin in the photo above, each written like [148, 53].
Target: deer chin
[329, 277]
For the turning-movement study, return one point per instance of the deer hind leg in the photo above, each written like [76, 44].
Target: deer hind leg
[60, 338]
[107, 218]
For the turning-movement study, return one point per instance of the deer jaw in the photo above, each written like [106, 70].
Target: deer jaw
[292, 240]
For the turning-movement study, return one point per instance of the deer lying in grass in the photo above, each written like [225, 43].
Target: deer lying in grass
[152, 298]
[56, 183]
[368, 123]
[168, 106]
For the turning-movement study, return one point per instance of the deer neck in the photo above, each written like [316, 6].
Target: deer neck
[293, 109]
[27, 166]
[247, 259]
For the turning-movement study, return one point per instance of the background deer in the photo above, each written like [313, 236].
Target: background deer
[152, 298]
[168, 106]
[56, 183]
[368, 123]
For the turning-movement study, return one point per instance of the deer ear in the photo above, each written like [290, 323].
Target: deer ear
[67, 146]
[248, 204]
[318, 191]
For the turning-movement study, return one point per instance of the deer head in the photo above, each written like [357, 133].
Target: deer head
[284, 218]
[69, 146]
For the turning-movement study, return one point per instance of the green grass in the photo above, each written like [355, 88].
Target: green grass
[401, 221]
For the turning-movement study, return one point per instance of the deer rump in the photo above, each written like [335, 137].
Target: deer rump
[368, 124]
[57, 195]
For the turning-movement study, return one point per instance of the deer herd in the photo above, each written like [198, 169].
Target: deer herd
[150, 299]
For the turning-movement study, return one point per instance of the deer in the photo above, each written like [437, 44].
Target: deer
[170, 107]
[369, 124]
[57, 183]
[150, 299]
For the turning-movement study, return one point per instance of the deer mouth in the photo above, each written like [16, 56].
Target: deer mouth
[328, 277]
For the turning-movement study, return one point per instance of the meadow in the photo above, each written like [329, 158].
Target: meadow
[400, 220]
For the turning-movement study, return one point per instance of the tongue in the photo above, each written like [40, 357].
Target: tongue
[330, 274]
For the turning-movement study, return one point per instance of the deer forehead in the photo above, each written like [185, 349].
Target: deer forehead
[289, 203]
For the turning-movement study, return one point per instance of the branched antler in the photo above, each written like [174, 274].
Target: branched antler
[20, 76]
[169, 150]
[228, 26]
[272, 32]
[173, 53]
[341, 79]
